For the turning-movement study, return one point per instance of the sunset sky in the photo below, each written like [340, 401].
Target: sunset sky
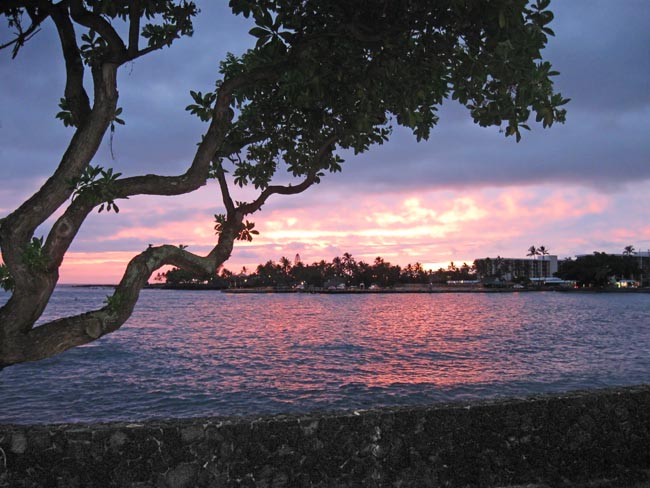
[467, 192]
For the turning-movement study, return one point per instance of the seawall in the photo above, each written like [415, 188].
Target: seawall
[589, 439]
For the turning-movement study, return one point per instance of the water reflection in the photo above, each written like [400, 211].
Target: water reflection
[206, 353]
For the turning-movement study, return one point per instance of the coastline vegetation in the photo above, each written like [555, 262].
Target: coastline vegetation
[340, 272]
[597, 270]
[601, 269]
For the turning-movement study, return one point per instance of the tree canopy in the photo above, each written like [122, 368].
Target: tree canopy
[341, 271]
[599, 269]
[319, 77]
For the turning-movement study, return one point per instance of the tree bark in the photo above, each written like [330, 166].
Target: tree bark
[20, 340]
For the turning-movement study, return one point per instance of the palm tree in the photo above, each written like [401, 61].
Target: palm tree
[532, 251]
[542, 251]
[285, 266]
[627, 253]
[349, 264]
[337, 264]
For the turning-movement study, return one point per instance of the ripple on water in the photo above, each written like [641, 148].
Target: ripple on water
[207, 353]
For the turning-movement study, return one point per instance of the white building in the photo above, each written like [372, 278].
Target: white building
[509, 269]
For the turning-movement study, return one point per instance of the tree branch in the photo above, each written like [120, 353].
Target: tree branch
[22, 36]
[59, 335]
[102, 27]
[20, 225]
[67, 226]
[197, 174]
[311, 178]
[134, 28]
[75, 93]
[225, 191]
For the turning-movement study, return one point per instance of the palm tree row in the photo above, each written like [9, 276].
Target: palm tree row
[538, 251]
[340, 271]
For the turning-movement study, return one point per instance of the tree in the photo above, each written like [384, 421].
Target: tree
[598, 269]
[543, 251]
[285, 264]
[414, 273]
[628, 251]
[483, 268]
[321, 77]
[632, 266]
[534, 252]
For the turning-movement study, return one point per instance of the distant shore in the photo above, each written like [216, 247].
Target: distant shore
[366, 291]
[438, 290]
[397, 290]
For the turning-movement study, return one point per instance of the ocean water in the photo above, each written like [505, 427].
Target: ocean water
[206, 353]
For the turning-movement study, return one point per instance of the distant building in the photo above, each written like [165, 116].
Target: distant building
[554, 282]
[644, 266]
[509, 269]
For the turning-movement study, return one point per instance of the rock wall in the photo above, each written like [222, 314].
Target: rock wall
[599, 438]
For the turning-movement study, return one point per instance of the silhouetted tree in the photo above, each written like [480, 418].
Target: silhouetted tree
[323, 78]
[597, 269]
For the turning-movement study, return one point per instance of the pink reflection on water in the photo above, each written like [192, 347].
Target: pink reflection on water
[303, 343]
[206, 353]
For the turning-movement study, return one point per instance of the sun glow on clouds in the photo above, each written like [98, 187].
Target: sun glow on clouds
[94, 267]
[431, 227]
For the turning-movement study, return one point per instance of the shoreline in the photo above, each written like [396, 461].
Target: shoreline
[397, 290]
[431, 291]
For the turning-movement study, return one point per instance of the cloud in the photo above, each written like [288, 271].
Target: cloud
[465, 193]
[601, 51]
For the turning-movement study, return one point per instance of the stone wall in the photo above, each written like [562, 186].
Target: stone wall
[598, 438]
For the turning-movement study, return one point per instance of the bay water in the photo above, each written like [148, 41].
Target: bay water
[207, 353]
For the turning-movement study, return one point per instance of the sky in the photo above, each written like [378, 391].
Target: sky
[466, 193]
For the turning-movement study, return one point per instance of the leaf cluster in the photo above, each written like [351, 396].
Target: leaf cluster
[7, 282]
[160, 22]
[66, 115]
[171, 20]
[202, 106]
[176, 21]
[114, 302]
[245, 232]
[33, 255]
[116, 119]
[96, 185]
[332, 69]
[94, 47]
[499, 74]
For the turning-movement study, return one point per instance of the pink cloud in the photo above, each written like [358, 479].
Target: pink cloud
[429, 227]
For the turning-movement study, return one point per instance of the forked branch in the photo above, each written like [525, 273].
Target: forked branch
[324, 152]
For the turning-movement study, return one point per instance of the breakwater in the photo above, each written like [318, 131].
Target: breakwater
[596, 438]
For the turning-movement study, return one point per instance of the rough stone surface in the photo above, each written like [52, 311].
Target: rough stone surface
[595, 439]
